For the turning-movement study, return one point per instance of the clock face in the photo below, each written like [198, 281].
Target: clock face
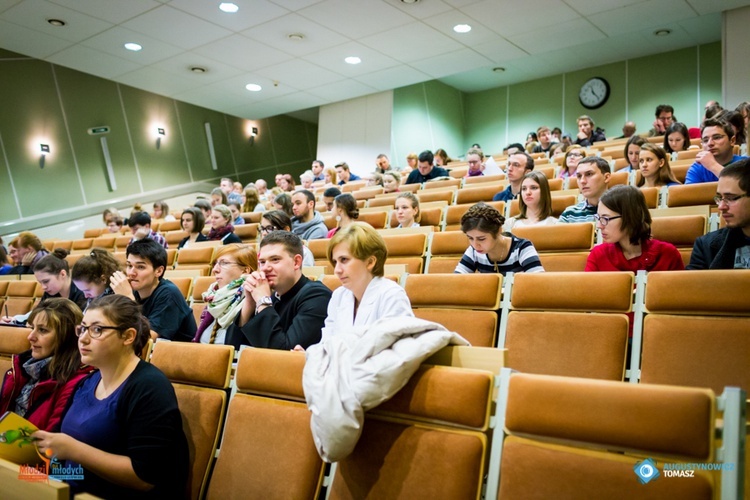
[594, 93]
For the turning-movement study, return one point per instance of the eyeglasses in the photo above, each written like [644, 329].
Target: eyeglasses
[268, 229]
[95, 331]
[603, 220]
[729, 200]
[579, 155]
[715, 138]
[224, 264]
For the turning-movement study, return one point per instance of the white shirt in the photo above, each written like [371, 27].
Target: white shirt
[514, 222]
[382, 299]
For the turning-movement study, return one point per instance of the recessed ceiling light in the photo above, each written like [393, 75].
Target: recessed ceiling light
[133, 46]
[462, 28]
[198, 69]
[296, 36]
[663, 32]
[229, 7]
[56, 22]
[353, 60]
[409, 2]
[498, 69]
[253, 87]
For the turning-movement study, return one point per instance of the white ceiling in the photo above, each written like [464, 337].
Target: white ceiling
[399, 44]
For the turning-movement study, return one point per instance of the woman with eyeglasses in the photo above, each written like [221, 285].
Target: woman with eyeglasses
[124, 426]
[42, 380]
[475, 159]
[570, 163]
[625, 224]
[224, 298]
[278, 220]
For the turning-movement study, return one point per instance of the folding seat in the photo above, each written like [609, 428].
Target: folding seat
[105, 242]
[681, 231]
[122, 242]
[319, 249]
[171, 225]
[408, 249]
[575, 438]
[267, 449]
[200, 285]
[386, 200]
[688, 154]
[252, 216]
[651, 194]
[692, 194]
[445, 251]
[64, 244]
[92, 233]
[481, 179]
[20, 297]
[175, 237]
[559, 204]
[680, 172]
[367, 193]
[200, 375]
[458, 172]
[195, 258]
[569, 324]
[13, 340]
[561, 247]
[549, 172]
[437, 195]
[447, 183]
[248, 233]
[375, 219]
[476, 194]
[428, 217]
[352, 186]
[184, 283]
[428, 441]
[464, 303]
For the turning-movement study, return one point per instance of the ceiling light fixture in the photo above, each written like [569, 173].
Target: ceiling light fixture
[133, 46]
[663, 32]
[56, 22]
[253, 87]
[498, 69]
[228, 7]
[296, 37]
[198, 69]
[409, 2]
[353, 60]
[462, 28]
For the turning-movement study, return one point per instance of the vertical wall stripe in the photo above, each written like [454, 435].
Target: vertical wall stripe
[507, 113]
[130, 138]
[270, 139]
[563, 102]
[429, 117]
[67, 131]
[698, 106]
[10, 177]
[627, 90]
[182, 138]
[231, 149]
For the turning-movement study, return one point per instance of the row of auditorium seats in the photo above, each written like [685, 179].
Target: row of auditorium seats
[445, 430]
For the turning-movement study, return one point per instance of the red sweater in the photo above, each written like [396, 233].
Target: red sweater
[655, 256]
[48, 399]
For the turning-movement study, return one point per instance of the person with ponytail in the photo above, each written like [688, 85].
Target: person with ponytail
[346, 211]
[124, 426]
[491, 251]
[41, 383]
[92, 272]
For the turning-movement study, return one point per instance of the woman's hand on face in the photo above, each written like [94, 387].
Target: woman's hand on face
[121, 285]
[28, 258]
[54, 444]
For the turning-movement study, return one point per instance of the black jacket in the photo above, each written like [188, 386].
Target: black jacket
[717, 249]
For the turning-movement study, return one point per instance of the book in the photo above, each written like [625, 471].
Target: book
[16, 443]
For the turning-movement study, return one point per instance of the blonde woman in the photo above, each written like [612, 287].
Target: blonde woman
[407, 210]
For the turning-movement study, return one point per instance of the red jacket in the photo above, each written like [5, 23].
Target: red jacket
[655, 256]
[48, 401]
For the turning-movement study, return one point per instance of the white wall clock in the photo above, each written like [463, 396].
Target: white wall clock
[594, 93]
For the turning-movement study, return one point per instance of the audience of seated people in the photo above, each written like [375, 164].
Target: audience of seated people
[5, 265]
[535, 203]
[625, 224]
[330, 177]
[306, 180]
[717, 138]
[593, 175]
[204, 206]
[344, 174]
[283, 202]
[282, 307]
[475, 159]
[192, 222]
[391, 182]
[412, 161]
[441, 158]
[317, 170]
[632, 150]
[345, 210]
[358, 254]
[161, 301]
[676, 138]
[253, 200]
[664, 119]
[25, 250]
[587, 135]
[382, 164]
[407, 210]
[307, 222]
[227, 187]
[728, 248]
[262, 186]
[277, 220]
[123, 426]
[161, 212]
[425, 169]
[286, 183]
[140, 226]
[218, 197]
[654, 167]
[545, 140]
[628, 130]
[519, 164]
[573, 156]
[41, 383]
[491, 251]
[328, 196]
[236, 209]
[225, 297]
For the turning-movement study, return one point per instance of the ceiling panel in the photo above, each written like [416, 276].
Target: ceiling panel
[113, 12]
[342, 90]
[113, 40]
[180, 65]
[243, 53]
[635, 18]
[276, 33]
[156, 80]
[251, 13]
[92, 61]
[300, 74]
[445, 64]
[29, 42]
[587, 7]
[392, 78]
[558, 36]
[412, 42]
[356, 18]
[176, 27]
[511, 17]
[33, 14]
[333, 59]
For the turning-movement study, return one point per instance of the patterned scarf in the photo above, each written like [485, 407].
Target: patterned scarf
[35, 369]
[223, 304]
[218, 234]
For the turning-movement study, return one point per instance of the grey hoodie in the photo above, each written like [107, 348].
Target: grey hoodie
[316, 229]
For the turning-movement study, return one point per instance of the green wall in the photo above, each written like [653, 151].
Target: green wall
[685, 78]
[45, 103]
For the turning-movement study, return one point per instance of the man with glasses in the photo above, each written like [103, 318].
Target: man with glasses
[282, 308]
[161, 301]
[519, 164]
[593, 175]
[717, 137]
[664, 119]
[728, 248]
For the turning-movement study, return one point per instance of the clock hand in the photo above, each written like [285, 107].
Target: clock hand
[594, 93]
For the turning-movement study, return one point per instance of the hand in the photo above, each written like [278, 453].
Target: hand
[582, 136]
[141, 233]
[298, 348]
[28, 258]
[55, 444]
[705, 158]
[6, 320]
[659, 127]
[121, 285]
[256, 286]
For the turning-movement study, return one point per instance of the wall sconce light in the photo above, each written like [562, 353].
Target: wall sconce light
[44, 149]
[160, 132]
[253, 134]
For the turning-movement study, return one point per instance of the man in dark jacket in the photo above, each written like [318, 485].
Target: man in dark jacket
[728, 248]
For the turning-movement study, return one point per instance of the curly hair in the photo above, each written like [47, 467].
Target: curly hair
[482, 217]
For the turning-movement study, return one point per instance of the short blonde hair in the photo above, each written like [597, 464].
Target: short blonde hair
[243, 253]
[364, 242]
